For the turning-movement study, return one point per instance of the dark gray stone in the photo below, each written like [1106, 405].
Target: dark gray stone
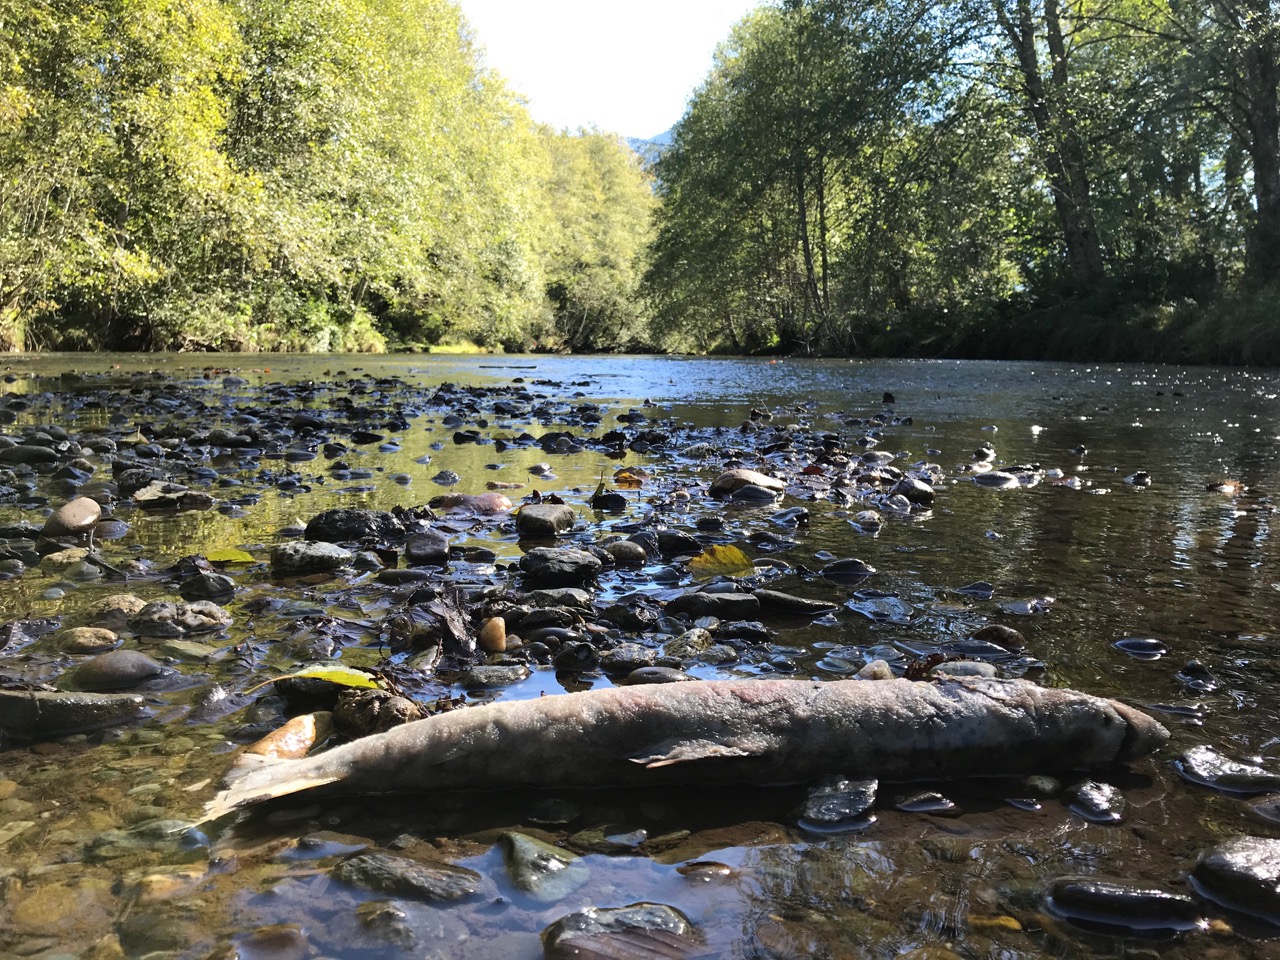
[545, 521]
[1243, 874]
[349, 524]
[429, 548]
[117, 670]
[559, 567]
[402, 877]
[726, 606]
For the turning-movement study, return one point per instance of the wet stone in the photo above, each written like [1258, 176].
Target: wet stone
[1096, 802]
[930, 802]
[838, 805]
[545, 521]
[431, 547]
[655, 675]
[1206, 766]
[74, 519]
[80, 640]
[482, 675]
[37, 715]
[347, 525]
[402, 877]
[543, 872]
[628, 657]
[559, 567]
[725, 606]
[1141, 648]
[117, 670]
[785, 603]
[207, 586]
[651, 931]
[303, 557]
[1242, 874]
[626, 553]
[689, 644]
[732, 481]
[164, 619]
[1105, 905]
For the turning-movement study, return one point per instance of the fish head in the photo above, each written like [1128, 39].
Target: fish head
[1143, 735]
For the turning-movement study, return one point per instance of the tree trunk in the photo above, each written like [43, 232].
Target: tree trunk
[1261, 75]
[1062, 151]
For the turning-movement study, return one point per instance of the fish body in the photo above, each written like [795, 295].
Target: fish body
[722, 732]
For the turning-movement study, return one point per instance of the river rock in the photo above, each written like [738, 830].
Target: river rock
[725, 606]
[626, 553]
[689, 644]
[402, 877]
[166, 495]
[627, 658]
[1243, 874]
[117, 670]
[74, 519]
[546, 873]
[559, 567]
[916, 491]
[1097, 802]
[545, 521]
[485, 504]
[731, 481]
[1206, 766]
[492, 635]
[428, 548]
[115, 610]
[641, 930]
[838, 805]
[35, 715]
[779, 602]
[349, 524]
[28, 454]
[165, 619]
[78, 640]
[207, 586]
[305, 556]
[61, 560]
[1092, 902]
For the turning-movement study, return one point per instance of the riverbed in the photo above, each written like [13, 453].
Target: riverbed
[1140, 513]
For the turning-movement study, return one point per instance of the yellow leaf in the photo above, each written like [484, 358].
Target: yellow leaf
[331, 672]
[229, 555]
[721, 560]
[628, 479]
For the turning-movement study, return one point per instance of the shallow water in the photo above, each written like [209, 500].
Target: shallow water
[1174, 561]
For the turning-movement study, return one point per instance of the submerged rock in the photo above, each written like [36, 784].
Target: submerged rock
[117, 670]
[36, 715]
[1105, 905]
[544, 872]
[402, 877]
[651, 931]
[837, 805]
[1242, 874]
[1206, 766]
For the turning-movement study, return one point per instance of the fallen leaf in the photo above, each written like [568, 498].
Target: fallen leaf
[720, 560]
[333, 673]
[229, 555]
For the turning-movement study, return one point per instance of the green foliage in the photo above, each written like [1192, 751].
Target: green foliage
[995, 178]
[293, 175]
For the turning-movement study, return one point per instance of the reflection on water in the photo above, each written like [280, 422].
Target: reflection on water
[1177, 561]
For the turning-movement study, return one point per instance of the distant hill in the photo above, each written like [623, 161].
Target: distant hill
[651, 149]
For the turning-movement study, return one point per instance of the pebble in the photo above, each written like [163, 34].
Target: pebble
[641, 930]
[73, 519]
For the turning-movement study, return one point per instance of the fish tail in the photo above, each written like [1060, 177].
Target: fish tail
[253, 778]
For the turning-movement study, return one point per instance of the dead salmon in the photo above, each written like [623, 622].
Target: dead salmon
[721, 732]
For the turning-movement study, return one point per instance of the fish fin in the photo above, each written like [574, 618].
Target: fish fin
[253, 778]
[683, 751]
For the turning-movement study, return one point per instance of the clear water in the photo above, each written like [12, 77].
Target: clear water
[1192, 567]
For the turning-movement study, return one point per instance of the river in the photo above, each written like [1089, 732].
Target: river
[1144, 512]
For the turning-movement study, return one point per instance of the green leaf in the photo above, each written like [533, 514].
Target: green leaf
[330, 672]
[229, 555]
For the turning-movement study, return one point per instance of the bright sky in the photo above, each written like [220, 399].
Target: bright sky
[625, 66]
